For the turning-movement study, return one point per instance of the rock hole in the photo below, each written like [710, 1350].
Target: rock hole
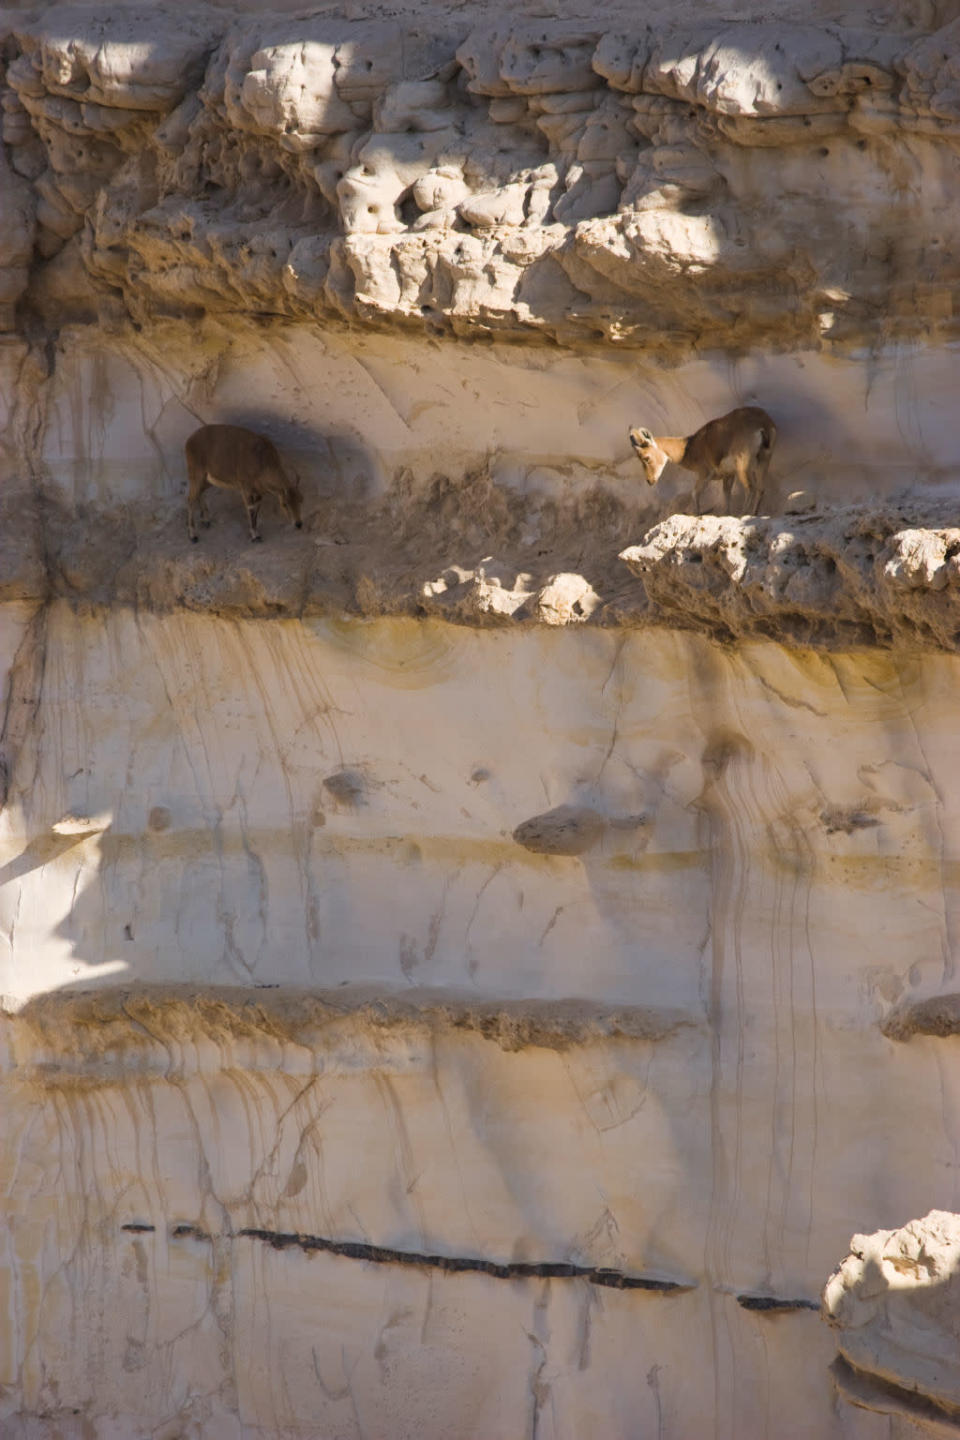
[408, 209]
[346, 786]
[823, 150]
[159, 818]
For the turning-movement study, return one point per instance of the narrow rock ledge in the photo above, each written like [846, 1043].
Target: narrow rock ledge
[91, 1036]
[859, 576]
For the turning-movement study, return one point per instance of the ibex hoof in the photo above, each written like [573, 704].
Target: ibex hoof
[298, 525]
[255, 538]
[194, 539]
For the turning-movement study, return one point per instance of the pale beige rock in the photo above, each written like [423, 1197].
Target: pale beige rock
[646, 159]
[439, 979]
[866, 574]
[893, 1305]
[567, 598]
[610, 1017]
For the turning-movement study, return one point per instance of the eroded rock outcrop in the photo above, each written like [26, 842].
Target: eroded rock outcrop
[893, 1307]
[537, 177]
[859, 576]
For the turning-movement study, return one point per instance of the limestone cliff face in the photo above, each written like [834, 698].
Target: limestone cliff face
[539, 177]
[469, 966]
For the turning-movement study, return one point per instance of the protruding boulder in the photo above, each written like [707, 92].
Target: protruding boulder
[894, 1304]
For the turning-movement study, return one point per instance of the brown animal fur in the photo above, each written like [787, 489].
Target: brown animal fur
[737, 447]
[237, 459]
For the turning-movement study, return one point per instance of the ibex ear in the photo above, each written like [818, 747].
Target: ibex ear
[646, 436]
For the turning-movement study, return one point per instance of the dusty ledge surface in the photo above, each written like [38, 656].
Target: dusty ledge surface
[66, 1034]
[884, 576]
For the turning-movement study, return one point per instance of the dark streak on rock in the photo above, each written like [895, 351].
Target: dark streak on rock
[772, 1304]
[189, 1232]
[516, 1270]
[135, 1228]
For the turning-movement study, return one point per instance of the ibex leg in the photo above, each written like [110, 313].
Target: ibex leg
[195, 499]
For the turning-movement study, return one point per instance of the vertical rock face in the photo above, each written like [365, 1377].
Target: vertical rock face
[455, 981]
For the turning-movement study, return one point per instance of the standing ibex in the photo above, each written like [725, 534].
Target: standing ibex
[237, 459]
[735, 447]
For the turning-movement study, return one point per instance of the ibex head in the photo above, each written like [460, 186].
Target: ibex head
[649, 454]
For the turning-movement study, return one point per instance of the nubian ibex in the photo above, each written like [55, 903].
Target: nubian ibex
[237, 459]
[735, 447]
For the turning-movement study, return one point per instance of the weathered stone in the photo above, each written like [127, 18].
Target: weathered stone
[894, 1307]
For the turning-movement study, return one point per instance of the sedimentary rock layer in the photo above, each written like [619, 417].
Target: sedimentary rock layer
[405, 1020]
[518, 1076]
[529, 177]
[486, 489]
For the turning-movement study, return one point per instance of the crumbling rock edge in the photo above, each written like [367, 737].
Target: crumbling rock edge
[938, 1016]
[94, 1035]
[882, 576]
[538, 177]
[892, 1305]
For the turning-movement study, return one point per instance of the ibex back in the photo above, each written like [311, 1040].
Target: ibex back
[237, 459]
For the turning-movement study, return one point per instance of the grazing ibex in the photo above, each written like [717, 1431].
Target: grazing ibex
[237, 459]
[735, 447]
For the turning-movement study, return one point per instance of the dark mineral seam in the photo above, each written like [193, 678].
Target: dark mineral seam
[772, 1303]
[516, 1270]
